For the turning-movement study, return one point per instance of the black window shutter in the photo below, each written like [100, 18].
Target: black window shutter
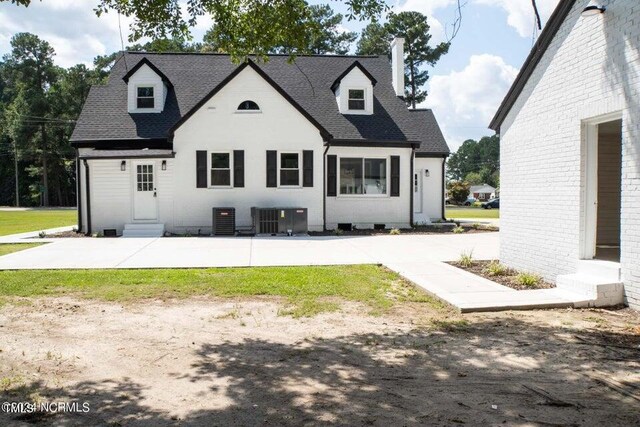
[272, 168]
[332, 175]
[395, 176]
[238, 168]
[307, 168]
[201, 169]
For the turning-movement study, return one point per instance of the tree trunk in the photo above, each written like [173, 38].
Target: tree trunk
[45, 174]
[413, 84]
[15, 161]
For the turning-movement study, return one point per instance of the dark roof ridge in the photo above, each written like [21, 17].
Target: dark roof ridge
[537, 52]
[138, 52]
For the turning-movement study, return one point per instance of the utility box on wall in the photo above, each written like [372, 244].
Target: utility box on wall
[224, 221]
[280, 220]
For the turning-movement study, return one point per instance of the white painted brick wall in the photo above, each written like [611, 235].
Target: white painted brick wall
[591, 68]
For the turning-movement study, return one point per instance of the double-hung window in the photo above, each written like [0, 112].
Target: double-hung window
[289, 169]
[363, 176]
[145, 98]
[356, 100]
[220, 170]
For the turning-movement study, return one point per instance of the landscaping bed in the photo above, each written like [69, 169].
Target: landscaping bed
[494, 271]
[436, 228]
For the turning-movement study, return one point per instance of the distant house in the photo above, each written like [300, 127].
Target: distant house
[171, 136]
[571, 124]
[482, 192]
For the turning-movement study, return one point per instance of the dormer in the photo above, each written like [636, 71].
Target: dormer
[147, 88]
[354, 90]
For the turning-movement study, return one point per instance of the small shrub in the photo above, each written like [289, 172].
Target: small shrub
[394, 231]
[42, 234]
[494, 268]
[466, 259]
[338, 231]
[459, 229]
[528, 280]
[476, 226]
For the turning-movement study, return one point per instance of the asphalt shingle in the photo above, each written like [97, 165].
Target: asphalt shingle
[308, 81]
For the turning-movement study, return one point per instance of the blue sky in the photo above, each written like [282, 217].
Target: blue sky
[465, 87]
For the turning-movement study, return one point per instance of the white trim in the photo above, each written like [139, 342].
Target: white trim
[210, 168]
[155, 98]
[364, 99]
[589, 183]
[387, 193]
[279, 168]
[134, 188]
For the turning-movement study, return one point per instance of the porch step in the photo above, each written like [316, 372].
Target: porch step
[597, 291]
[606, 270]
[143, 230]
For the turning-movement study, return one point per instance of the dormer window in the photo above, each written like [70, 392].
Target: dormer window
[145, 98]
[246, 106]
[356, 100]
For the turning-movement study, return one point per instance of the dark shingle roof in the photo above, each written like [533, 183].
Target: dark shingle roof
[308, 82]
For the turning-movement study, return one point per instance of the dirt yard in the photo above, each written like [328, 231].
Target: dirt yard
[242, 362]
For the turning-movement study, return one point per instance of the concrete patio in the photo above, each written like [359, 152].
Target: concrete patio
[419, 258]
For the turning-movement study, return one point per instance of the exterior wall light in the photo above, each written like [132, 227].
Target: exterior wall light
[164, 165]
[426, 172]
[123, 165]
[593, 8]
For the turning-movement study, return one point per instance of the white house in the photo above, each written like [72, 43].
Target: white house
[571, 124]
[482, 192]
[171, 136]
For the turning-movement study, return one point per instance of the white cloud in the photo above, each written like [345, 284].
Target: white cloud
[520, 13]
[465, 101]
[428, 8]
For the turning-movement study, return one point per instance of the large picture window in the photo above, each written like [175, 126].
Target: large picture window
[363, 176]
[356, 99]
[145, 98]
[289, 169]
[220, 170]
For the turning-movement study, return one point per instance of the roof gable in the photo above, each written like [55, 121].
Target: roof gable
[249, 63]
[530, 64]
[356, 64]
[145, 61]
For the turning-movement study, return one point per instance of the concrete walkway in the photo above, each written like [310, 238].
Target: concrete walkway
[419, 258]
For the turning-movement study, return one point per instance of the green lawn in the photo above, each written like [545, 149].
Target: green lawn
[309, 290]
[12, 222]
[463, 213]
[7, 248]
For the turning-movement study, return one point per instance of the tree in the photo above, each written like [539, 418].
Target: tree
[30, 70]
[374, 40]
[413, 27]
[480, 158]
[326, 36]
[458, 191]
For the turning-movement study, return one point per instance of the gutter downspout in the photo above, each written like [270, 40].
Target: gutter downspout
[444, 162]
[86, 172]
[324, 187]
[78, 191]
[411, 184]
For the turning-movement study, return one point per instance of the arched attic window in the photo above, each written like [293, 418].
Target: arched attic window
[248, 106]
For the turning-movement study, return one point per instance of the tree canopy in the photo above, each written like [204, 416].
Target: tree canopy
[414, 28]
[477, 162]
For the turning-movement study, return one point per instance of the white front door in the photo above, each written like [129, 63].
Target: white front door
[417, 191]
[145, 201]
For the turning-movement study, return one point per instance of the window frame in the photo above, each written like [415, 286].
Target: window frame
[280, 168]
[364, 99]
[211, 168]
[387, 192]
[239, 111]
[141, 86]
